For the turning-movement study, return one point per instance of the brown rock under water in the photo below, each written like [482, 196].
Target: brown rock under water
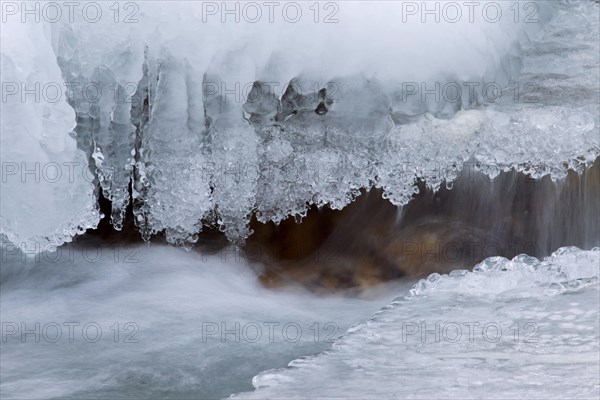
[372, 241]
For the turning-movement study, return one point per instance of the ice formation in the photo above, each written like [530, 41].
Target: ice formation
[47, 193]
[540, 340]
[209, 122]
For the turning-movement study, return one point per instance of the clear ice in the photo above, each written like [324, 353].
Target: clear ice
[208, 123]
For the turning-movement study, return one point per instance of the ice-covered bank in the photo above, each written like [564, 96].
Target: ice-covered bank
[516, 328]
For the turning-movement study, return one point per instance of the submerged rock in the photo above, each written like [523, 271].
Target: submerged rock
[371, 241]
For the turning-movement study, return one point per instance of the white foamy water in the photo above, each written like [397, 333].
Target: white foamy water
[170, 307]
[510, 329]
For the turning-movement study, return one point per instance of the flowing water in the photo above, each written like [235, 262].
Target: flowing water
[156, 322]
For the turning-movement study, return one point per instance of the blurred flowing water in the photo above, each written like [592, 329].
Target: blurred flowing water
[155, 322]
